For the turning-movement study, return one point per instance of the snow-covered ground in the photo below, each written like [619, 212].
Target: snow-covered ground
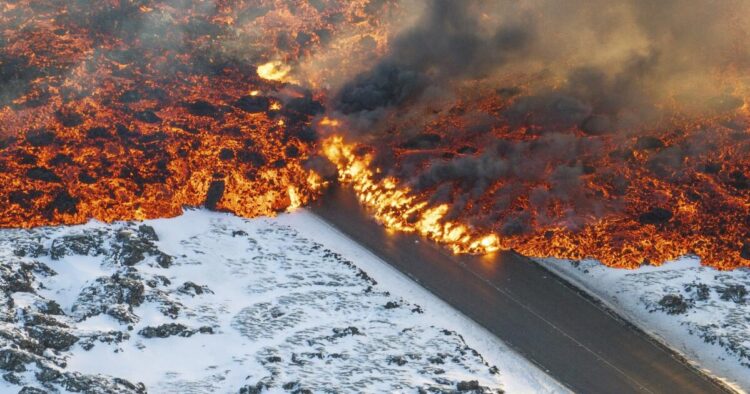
[209, 302]
[701, 312]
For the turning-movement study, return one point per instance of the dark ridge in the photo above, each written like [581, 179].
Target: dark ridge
[254, 158]
[253, 104]
[97, 132]
[147, 117]
[24, 199]
[214, 194]
[202, 108]
[86, 178]
[69, 118]
[39, 138]
[648, 143]
[655, 216]
[226, 154]
[64, 203]
[42, 174]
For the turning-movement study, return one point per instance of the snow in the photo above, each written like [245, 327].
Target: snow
[683, 304]
[520, 376]
[281, 303]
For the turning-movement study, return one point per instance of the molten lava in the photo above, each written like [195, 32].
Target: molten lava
[653, 218]
[121, 110]
[132, 109]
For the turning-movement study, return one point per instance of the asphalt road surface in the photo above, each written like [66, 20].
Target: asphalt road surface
[570, 336]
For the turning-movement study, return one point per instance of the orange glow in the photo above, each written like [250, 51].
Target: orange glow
[399, 209]
[274, 71]
[118, 127]
[102, 122]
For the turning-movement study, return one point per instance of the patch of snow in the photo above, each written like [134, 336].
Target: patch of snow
[701, 312]
[519, 375]
[209, 302]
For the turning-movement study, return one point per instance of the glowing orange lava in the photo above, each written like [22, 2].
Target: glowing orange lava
[120, 110]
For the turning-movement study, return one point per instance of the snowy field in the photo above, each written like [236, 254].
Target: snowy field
[208, 302]
[701, 312]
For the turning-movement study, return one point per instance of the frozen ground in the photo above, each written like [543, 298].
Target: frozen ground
[208, 302]
[701, 312]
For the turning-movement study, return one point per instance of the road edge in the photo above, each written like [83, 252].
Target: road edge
[611, 310]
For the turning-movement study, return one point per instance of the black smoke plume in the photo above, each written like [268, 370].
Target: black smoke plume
[571, 79]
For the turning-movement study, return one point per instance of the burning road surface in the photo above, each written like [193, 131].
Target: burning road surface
[616, 131]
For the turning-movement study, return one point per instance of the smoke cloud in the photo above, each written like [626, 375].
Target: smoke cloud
[529, 103]
[599, 65]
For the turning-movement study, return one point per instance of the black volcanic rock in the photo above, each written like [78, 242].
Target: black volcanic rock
[226, 154]
[97, 132]
[31, 390]
[255, 158]
[253, 104]
[648, 143]
[674, 304]
[202, 108]
[40, 138]
[14, 360]
[129, 96]
[745, 251]
[172, 329]
[53, 337]
[147, 117]
[735, 293]
[300, 110]
[192, 289]
[305, 134]
[69, 118]
[86, 244]
[739, 180]
[214, 194]
[42, 174]
[24, 199]
[468, 385]
[86, 178]
[655, 216]
[64, 203]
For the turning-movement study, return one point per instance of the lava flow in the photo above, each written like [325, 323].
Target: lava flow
[120, 110]
[558, 131]
[547, 128]
[630, 229]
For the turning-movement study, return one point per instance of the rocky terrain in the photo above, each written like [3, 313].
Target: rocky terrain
[702, 312]
[209, 302]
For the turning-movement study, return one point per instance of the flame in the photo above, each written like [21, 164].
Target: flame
[398, 208]
[275, 71]
[326, 121]
[104, 124]
[617, 236]
[295, 200]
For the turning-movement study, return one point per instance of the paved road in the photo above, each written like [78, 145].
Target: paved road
[577, 341]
